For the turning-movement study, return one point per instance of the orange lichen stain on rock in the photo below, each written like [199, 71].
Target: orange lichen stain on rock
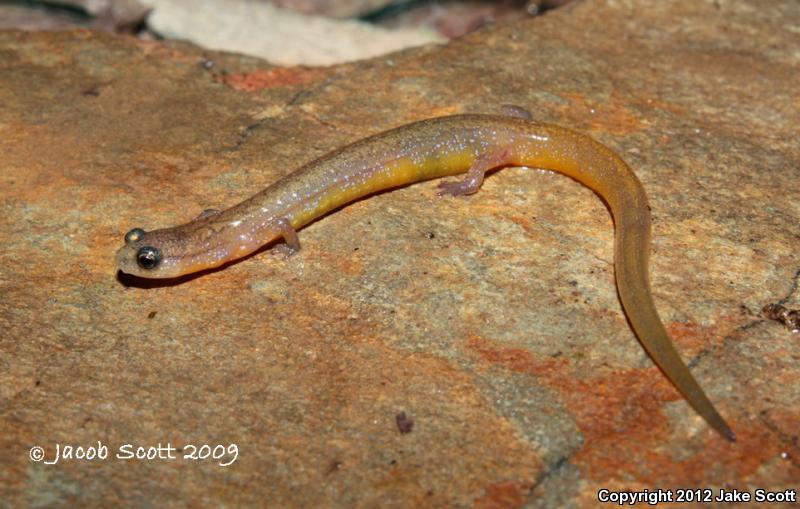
[783, 423]
[161, 50]
[622, 459]
[435, 111]
[349, 265]
[613, 117]
[504, 495]
[522, 221]
[691, 337]
[656, 104]
[515, 359]
[621, 403]
[271, 78]
[618, 406]
[620, 415]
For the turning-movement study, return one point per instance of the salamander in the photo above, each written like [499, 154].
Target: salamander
[428, 149]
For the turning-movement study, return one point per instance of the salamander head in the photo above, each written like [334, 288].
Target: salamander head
[155, 254]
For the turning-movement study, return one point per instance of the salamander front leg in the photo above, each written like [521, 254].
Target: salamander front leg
[291, 243]
[474, 178]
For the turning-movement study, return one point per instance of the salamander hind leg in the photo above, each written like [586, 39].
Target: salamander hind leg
[291, 243]
[474, 177]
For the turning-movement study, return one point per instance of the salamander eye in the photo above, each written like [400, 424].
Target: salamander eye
[134, 235]
[148, 257]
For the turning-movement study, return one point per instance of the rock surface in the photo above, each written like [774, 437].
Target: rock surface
[491, 321]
